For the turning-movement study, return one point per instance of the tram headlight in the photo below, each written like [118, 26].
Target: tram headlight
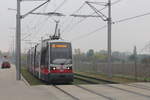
[53, 68]
[69, 68]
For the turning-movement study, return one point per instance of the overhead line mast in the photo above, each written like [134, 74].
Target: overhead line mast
[18, 33]
[109, 24]
[18, 43]
[109, 21]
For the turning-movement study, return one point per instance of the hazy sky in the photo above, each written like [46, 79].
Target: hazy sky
[124, 35]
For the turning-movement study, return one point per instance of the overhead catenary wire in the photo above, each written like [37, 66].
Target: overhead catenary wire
[57, 8]
[60, 5]
[54, 11]
[115, 22]
[130, 18]
[88, 34]
[47, 18]
[43, 10]
[123, 20]
[104, 3]
[115, 2]
[76, 11]
[82, 20]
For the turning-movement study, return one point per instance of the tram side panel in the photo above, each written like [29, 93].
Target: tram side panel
[44, 62]
[37, 61]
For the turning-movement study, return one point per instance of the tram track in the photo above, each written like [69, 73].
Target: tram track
[89, 80]
[65, 92]
[111, 86]
[85, 89]
[143, 86]
[91, 91]
[128, 91]
[140, 87]
[107, 83]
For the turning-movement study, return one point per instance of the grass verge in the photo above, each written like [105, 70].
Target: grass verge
[139, 79]
[116, 79]
[30, 78]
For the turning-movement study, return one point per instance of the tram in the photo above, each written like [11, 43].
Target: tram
[51, 60]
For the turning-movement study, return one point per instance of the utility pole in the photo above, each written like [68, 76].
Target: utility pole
[18, 34]
[109, 21]
[18, 42]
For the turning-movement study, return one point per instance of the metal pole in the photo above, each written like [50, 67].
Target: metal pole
[109, 39]
[18, 44]
[18, 36]
[135, 61]
[56, 28]
[13, 54]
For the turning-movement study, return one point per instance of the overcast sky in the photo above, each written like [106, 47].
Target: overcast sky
[124, 35]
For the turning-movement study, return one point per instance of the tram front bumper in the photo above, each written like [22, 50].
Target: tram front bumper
[62, 77]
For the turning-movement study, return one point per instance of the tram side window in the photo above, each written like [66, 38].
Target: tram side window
[44, 57]
[37, 58]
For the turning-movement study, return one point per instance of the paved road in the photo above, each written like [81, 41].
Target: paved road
[10, 89]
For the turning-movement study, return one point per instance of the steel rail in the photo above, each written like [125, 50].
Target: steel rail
[129, 91]
[93, 92]
[70, 95]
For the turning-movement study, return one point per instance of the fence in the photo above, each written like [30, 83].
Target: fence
[128, 69]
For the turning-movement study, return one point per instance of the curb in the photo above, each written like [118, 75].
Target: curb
[25, 81]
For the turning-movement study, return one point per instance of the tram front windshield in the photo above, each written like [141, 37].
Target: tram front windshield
[61, 53]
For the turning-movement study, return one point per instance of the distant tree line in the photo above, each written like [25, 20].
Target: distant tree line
[117, 57]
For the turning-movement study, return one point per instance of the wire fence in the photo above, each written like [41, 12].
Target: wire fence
[119, 69]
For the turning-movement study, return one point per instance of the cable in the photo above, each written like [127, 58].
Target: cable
[116, 22]
[80, 8]
[117, 1]
[88, 34]
[43, 10]
[80, 21]
[47, 18]
[57, 9]
[130, 18]
[60, 5]
[68, 25]
[26, 36]
[72, 18]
